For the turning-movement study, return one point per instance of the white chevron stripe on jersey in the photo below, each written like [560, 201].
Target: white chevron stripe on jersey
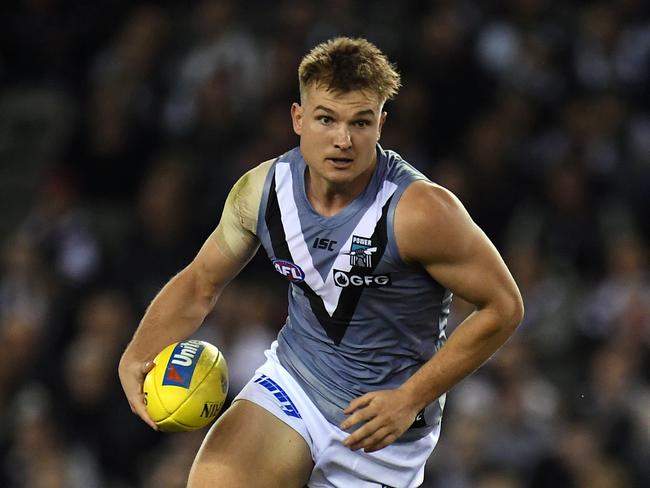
[298, 248]
[300, 254]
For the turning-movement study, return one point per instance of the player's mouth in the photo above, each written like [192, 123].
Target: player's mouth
[340, 162]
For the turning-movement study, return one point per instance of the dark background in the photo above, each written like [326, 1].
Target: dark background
[124, 124]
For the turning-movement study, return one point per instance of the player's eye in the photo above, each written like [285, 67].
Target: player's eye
[361, 123]
[325, 119]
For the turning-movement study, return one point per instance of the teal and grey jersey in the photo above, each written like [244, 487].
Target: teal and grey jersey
[360, 318]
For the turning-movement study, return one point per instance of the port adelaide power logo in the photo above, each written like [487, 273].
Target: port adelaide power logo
[361, 253]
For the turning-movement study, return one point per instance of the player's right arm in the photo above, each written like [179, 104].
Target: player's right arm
[180, 307]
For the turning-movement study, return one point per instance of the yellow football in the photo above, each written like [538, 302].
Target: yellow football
[187, 387]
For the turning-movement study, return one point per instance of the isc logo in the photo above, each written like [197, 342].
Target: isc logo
[290, 271]
[321, 243]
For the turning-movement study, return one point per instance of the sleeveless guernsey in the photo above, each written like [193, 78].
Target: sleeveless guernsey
[360, 319]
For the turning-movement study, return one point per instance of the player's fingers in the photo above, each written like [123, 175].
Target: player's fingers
[131, 390]
[386, 441]
[132, 385]
[373, 440]
[362, 433]
[361, 415]
[147, 366]
[141, 411]
[132, 407]
[357, 403]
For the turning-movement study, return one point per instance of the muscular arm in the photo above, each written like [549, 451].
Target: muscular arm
[457, 254]
[183, 303]
[432, 228]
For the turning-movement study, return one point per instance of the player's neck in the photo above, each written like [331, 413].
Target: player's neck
[329, 198]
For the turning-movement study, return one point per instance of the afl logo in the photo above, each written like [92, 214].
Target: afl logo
[290, 271]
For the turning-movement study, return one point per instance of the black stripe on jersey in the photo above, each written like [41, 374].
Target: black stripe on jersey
[336, 325]
[350, 296]
[273, 219]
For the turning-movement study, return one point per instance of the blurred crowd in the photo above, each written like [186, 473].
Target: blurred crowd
[123, 125]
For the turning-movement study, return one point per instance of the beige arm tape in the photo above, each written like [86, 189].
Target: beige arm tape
[235, 234]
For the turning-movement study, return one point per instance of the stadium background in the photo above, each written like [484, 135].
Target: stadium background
[123, 125]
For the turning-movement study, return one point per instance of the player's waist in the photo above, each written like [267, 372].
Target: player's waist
[331, 397]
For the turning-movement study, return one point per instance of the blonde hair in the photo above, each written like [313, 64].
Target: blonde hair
[344, 64]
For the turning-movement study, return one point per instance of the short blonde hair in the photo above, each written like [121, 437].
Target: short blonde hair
[344, 64]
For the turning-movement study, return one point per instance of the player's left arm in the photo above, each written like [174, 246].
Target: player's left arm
[433, 228]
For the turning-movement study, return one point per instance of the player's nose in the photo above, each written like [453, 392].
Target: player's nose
[342, 138]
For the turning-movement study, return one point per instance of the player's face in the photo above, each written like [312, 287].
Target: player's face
[338, 135]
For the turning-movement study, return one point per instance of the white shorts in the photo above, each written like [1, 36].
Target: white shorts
[399, 465]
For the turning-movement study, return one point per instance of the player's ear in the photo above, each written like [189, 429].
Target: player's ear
[382, 119]
[297, 117]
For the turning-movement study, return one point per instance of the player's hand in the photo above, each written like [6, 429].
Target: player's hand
[132, 375]
[386, 415]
